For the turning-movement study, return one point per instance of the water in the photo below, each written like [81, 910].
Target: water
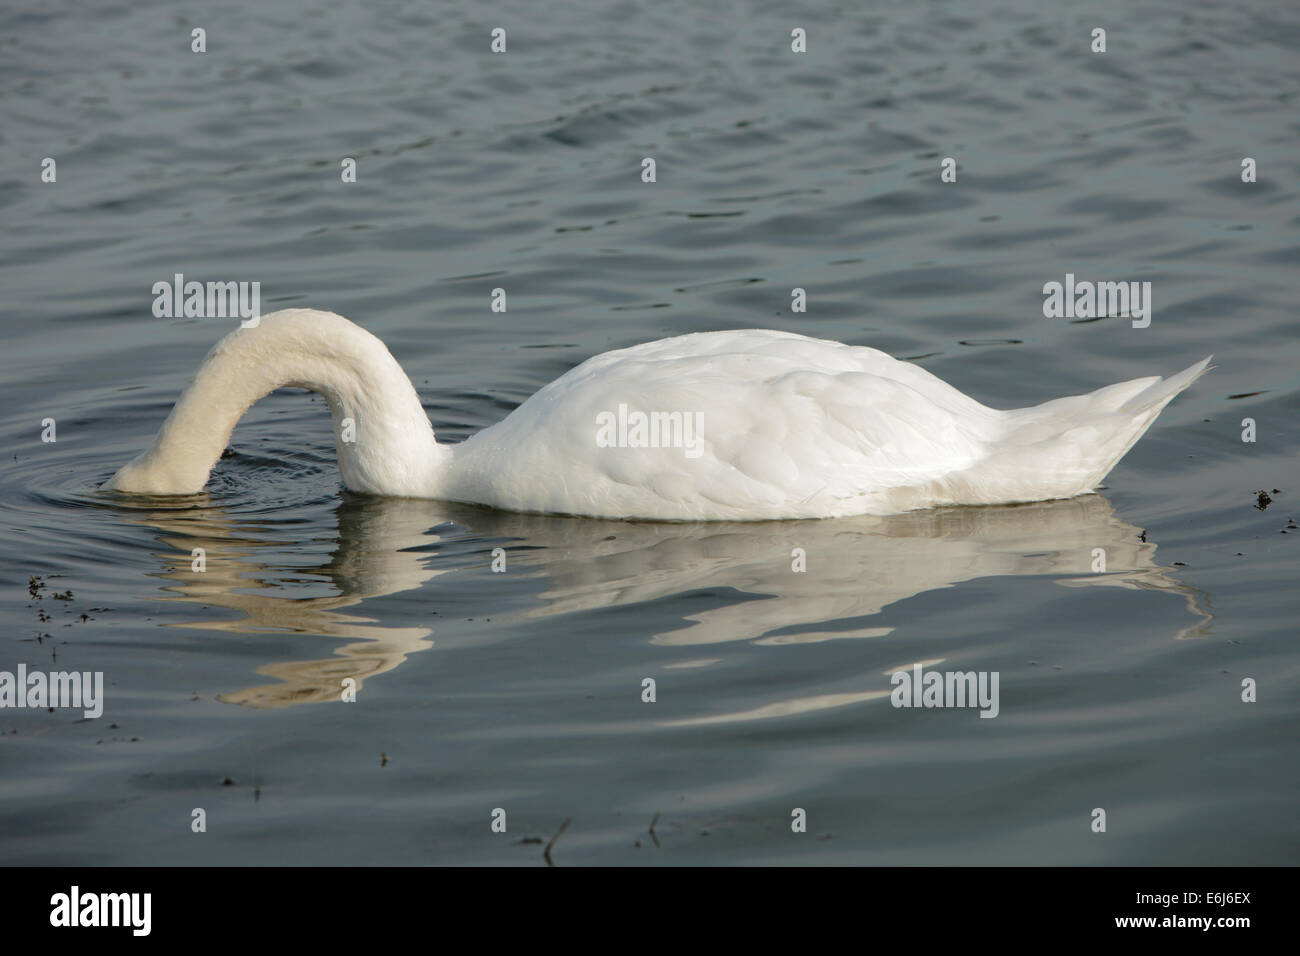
[522, 690]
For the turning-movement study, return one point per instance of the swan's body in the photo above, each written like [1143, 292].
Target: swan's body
[791, 427]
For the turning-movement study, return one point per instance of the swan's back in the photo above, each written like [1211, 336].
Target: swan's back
[791, 427]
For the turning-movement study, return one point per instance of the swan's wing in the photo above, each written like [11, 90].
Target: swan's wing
[782, 418]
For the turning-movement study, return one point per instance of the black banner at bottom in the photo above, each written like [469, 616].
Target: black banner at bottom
[333, 905]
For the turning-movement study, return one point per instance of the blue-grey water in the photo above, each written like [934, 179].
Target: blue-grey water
[522, 690]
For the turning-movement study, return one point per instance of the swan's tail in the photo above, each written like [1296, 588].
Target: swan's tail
[1070, 444]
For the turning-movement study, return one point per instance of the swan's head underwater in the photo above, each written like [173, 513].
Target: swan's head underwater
[730, 426]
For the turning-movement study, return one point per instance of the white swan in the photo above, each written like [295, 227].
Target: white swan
[791, 427]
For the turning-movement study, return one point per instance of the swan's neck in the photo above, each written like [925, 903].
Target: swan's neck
[385, 443]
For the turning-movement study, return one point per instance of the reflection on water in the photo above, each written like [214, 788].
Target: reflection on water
[369, 561]
[855, 567]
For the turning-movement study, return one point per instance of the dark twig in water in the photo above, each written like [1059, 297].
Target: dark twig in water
[652, 828]
[547, 852]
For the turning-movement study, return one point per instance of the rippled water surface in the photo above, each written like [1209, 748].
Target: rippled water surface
[522, 690]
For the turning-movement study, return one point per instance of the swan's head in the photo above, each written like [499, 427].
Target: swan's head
[384, 440]
[145, 474]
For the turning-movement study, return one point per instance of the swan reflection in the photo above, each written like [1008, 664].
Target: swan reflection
[855, 567]
[368, 561]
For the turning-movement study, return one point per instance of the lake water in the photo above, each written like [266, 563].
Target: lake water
[523, 690]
